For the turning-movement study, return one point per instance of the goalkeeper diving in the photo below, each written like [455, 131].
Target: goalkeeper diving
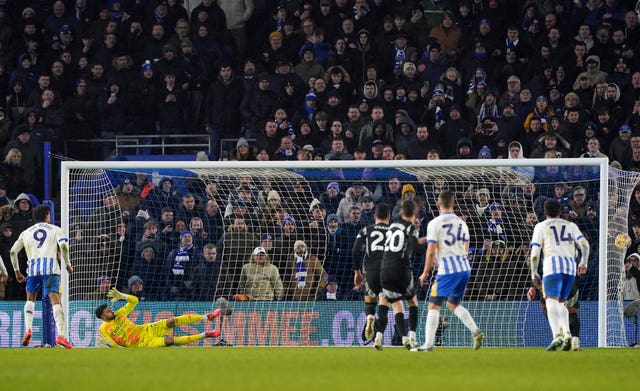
[118, 330]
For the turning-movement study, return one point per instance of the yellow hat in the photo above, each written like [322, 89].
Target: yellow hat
[407, 188]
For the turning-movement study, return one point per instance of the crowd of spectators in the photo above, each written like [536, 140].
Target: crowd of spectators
[316, 79]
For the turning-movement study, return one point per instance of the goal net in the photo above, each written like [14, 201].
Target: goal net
[182, 235]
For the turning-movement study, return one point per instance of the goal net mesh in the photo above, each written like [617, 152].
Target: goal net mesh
[189, 236]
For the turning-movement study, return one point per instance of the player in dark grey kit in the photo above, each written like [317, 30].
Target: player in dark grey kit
[396, 276]
[372, 238]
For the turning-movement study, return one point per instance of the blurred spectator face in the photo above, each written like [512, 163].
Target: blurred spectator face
[387, 153]
[550, 142]
[535, 125]
[422, 133]
[181, 226]
[300, 249]
[347, 26]
[354, 215]
[603, 116]
[7, 232]
[44, 81]
[157, 32]
[24, 205]
[531, 220]
[593, 145]
[433, 155]
[635, 142]
[336, 127]
[57, 68]
[167, 216]
[286, 143]
[579, 196]
[58, 9]
[97, 71]
[270, 129]
[573, 117]
[353, 114]
[319, 85]
[618, 36]
[602, 35]
[188, 202]
[209, 254]
[212, 207]
[337, 145]
[289, 227]
[262, 156]
[148, 254]
[332, 192]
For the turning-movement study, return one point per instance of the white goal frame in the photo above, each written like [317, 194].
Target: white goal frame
[602, 163]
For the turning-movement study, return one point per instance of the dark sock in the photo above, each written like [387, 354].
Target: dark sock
[383, 318]
[413, 318]
[370, 308]
[400, 324]
[574, 325]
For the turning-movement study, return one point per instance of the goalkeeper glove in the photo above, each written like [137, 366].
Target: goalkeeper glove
[116, 295]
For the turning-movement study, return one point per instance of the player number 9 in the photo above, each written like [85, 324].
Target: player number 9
[40, 236]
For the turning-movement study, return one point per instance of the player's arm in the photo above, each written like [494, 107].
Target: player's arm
[104, 340]
[13, 254]
[535, 259]
[63, 245]
[356, 254]
[583, 243]
[430, 260]
[4, 274]
[116, 295]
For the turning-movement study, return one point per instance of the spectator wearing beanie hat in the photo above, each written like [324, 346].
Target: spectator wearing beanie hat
[331, 198]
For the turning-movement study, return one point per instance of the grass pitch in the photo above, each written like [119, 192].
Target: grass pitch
[228, 368]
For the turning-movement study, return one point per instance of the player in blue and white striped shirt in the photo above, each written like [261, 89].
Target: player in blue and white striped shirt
[448, 245]
[557, 239]
[41, 242]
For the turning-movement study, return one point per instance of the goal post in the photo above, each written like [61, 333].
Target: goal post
[277, 204]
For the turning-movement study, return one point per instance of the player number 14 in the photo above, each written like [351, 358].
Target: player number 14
[563, 237]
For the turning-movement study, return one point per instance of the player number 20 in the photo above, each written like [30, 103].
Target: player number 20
[395, 241]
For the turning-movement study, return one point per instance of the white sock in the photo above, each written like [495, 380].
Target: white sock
[412, 335]
[466, 318]
[378, 335]
[29, 307]
[61, 326]
[433, 317]
[553, 316]
[564, 318]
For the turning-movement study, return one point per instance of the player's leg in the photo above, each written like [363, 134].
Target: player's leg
[187, 339]
[51, 287]
[552, 289]
[567, 284]
[370, 311]
[191, 318]
[413, 321]
[34, 284]
[383, 320]
[458, 286]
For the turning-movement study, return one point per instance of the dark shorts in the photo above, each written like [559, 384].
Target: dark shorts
[397, 286]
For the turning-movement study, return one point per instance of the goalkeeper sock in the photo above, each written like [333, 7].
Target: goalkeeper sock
[61, 326]
[466, 318]
[370, 308]
[29, 307]
[383, 318]
[433, 319]
[413, 319]
[187, 339]
[574, 324]
[189, 318]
